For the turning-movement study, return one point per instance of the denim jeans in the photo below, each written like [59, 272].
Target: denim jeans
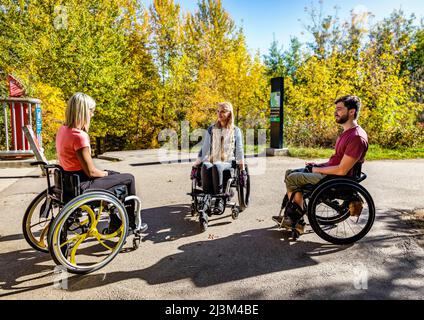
[213, 176]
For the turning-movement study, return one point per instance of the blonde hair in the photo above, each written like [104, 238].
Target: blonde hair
[223, 140]
[78, 111]
[228, 107]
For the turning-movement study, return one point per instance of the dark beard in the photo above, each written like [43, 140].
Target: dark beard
[343, 119]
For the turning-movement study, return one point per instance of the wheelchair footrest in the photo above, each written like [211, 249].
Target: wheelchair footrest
[195, 192]
[221, 195]
[142, 228]
[139, 231]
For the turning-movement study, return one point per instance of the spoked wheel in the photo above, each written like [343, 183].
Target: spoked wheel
[36, 221]
[89, 232]
[244, 193]
[339, 213]
[344, 219]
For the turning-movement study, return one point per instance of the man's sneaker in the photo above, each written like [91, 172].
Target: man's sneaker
[283, 222]
[287, 223]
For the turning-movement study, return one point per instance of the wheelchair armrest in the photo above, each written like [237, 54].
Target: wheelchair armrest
[46, 165]
[39, 163]
[362, 177]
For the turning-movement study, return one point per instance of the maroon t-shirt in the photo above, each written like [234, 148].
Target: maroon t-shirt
[352, 142]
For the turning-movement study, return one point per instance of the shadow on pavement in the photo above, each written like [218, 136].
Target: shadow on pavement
[207, 263]
[170, 223]
[236, 257]
[403, 271]
[23, 266]
[11, 237]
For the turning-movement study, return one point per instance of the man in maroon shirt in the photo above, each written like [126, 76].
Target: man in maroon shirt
[351, 147]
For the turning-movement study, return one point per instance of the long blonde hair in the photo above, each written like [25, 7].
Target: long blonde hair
[78, 111]
[223, 140]
[230, 121]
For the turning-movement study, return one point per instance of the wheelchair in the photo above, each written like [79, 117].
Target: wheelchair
[203, 204]
[82, 230]
[339, 209]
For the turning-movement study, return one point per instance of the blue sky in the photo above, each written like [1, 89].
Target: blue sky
[262, 19]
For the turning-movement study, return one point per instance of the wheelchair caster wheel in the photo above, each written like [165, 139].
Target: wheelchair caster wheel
[235, 214]
[203, 225]
[136, 243]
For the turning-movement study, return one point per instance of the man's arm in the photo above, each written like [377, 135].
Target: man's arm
[314, 164]
[342, 169]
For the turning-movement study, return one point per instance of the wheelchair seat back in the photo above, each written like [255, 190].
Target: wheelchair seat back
[66, 185]
[357, 171]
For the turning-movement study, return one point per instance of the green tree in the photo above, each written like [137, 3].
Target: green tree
[274, 61]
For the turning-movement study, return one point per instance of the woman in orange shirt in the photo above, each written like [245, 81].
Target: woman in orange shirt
[74, 151]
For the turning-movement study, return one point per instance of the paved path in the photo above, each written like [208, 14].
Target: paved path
[244, 259]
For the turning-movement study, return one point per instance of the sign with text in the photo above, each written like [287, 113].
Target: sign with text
[275, 100]
[34, 144]
[38, 122]
[276, 114]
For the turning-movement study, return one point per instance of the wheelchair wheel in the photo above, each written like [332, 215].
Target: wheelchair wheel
[89, 232]
[341, 212]
[235, 213]
[36, 221]
[244, 193]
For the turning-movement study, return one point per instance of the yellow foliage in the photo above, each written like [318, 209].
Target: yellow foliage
[53, 110]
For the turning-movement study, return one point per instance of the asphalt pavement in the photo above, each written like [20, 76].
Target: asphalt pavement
[248, 258]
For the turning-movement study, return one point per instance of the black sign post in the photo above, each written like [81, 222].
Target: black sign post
[276, 118]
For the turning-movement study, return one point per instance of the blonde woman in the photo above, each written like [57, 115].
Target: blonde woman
[222, 144]
[74, 151]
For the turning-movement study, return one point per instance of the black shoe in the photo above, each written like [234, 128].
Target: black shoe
[219, 207]
[131, 220]
[114, 224]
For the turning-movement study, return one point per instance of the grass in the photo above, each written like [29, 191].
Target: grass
[375, 152]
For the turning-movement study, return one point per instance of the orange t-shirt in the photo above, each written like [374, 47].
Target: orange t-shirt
[68, 141]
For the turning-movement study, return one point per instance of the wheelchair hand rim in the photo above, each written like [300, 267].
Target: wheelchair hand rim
[56, 230]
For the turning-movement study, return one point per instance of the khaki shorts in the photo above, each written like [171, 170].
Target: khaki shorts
[296, 178]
